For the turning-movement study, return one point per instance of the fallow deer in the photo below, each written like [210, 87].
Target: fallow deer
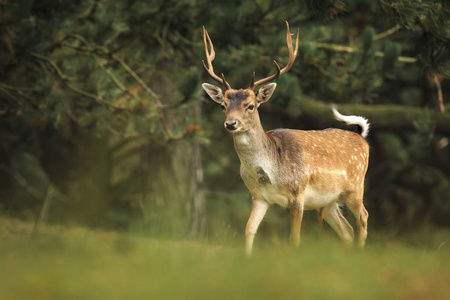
[300, 170]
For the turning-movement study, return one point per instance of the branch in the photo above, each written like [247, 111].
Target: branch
[43, 213]
[94, 51]
[23, 183]
[137, 78]
[18, 89]
[437, 82]
[347, 49]
[103, 50]
[386, 33]
[387, 117]
[88, 13]
[110, 75]
[188, 131]
[64, 78]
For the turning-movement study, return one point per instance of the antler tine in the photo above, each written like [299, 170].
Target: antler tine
[252, 83]
[292, 56]
[210, 55]
[292, 53]
[225, 82]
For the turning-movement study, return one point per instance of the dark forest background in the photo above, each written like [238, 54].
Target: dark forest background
[103, 122]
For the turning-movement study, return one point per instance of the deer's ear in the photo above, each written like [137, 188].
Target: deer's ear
[214, 92]
[265, 92]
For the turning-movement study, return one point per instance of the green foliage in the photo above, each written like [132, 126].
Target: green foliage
[431, 20]
[368, 35]
[391, 54]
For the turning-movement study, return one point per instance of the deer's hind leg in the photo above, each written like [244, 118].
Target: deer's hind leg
[320, 217]
[354, 202]
[333, 216]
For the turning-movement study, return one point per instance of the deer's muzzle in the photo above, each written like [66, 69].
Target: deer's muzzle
[231, 123]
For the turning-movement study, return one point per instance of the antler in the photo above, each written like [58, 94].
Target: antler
[209, 58]
[292, 56]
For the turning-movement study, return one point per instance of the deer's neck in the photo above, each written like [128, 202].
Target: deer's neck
[255, 150]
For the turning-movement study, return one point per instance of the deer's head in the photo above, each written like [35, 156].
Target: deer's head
[240, 106]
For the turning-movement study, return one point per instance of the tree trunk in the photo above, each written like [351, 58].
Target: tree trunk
[174, 203]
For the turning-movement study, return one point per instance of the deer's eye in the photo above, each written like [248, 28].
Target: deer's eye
[250, 107]
[223, 107]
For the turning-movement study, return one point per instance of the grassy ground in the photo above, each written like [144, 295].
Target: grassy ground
[75, 263]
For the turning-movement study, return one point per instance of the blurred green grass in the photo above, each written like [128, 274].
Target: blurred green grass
[77, 263]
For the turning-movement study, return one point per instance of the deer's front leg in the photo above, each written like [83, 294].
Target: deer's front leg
[296, 221]
[259, 209]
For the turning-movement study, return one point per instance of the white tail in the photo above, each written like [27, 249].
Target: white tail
[301, 170]
[361, 122]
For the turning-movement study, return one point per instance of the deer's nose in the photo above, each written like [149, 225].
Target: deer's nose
[230, 124]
